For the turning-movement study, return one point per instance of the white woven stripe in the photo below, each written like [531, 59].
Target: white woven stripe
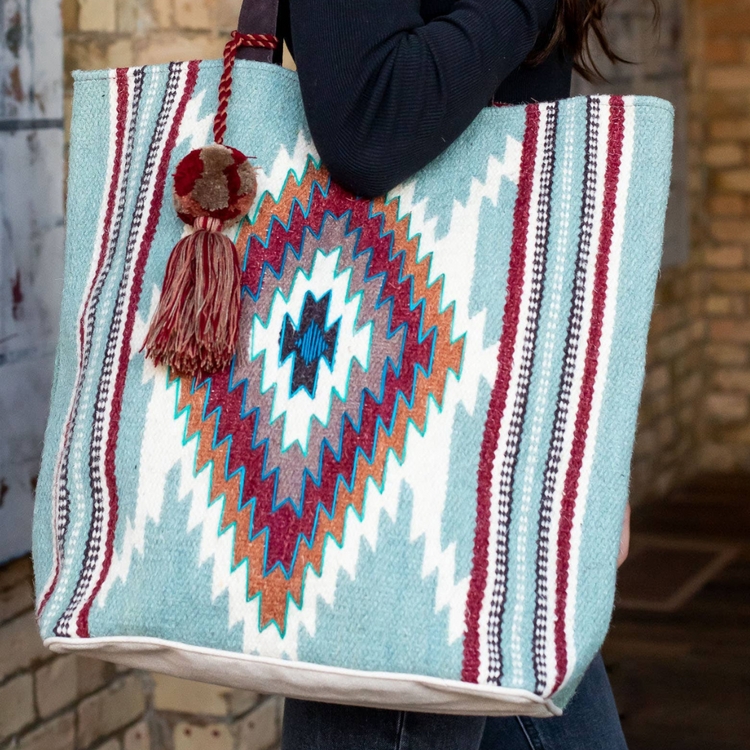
[489, 647]
[554, 292]
[554, 451]
[613, 276]
[146, 112]
[137, 234]
[580, 362]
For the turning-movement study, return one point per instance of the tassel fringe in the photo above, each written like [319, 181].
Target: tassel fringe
[196, 325]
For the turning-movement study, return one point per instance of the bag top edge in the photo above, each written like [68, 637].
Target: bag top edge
[109, 73]
[83, 76]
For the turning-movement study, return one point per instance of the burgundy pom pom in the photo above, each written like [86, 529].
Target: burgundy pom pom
[216, 181]
[196, 324]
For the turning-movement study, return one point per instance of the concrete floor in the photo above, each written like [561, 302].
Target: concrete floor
[679, 648]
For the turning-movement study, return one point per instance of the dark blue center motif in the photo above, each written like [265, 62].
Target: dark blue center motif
[309, 342]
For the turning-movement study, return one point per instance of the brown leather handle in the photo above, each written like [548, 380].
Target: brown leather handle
[259, 17]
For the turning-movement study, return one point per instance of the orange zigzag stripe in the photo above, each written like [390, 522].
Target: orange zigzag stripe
[274, 588]
[283, 208]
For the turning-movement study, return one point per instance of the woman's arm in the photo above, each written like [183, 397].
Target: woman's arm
[385, 92]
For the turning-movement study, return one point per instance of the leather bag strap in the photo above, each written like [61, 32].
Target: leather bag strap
[259, 17]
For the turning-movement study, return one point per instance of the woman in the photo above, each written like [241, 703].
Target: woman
[387, 86]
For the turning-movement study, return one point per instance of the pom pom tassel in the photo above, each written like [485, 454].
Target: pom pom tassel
[196, 325]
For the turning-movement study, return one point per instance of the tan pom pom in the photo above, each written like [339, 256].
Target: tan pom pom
[216, 181]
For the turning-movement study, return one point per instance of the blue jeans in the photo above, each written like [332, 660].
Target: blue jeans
[590, 722]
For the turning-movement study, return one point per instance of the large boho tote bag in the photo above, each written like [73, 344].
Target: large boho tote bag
[379, 452]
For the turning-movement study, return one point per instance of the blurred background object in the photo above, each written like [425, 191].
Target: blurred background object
[678, 652]
[31, 237]
[679, 649]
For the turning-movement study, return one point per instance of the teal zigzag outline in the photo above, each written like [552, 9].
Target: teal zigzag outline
[431, 403]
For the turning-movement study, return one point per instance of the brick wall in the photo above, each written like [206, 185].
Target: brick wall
[55, 702]
[668, 439]
[695, 412]
[721, 85]
[702, 307]
[114, 33]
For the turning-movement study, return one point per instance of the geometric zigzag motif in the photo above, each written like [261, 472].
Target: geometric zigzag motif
[332, 286]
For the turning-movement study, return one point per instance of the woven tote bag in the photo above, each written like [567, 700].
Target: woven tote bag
[406, 487]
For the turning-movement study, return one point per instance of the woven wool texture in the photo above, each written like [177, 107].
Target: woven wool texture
[418, 460]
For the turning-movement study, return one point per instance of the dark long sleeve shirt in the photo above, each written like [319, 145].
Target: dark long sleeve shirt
[388, 85]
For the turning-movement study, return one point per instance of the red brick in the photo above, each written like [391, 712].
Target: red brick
[737, 128]
[731, 256]
[724, 51]
[688, 389]
[726, 19]
[70, 9]
[715, 457]
[729, 154]
[737, 331]
[732, 380]
[728, 77]
[726, 205]
[731, 230]
[727, 407]
[730, 281]
[727, 354]
[657, 379]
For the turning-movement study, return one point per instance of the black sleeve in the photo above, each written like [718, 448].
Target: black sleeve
[385, 92]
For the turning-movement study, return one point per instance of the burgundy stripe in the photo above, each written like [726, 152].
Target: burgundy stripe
[470, 672]
[122, 114]
[140, 266]
[570, 488]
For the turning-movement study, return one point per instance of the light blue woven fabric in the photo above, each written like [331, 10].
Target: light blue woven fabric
[493, 313]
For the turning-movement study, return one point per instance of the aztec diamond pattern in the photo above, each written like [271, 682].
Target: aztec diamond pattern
[342, 344]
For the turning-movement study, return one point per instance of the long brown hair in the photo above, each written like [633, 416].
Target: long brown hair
[571, 30]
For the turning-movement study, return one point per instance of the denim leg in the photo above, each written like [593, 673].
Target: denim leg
[590, 722]
[441, 732]
[322, 726]
[328, 726]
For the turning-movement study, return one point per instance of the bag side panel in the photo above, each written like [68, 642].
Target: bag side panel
[91, 134]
